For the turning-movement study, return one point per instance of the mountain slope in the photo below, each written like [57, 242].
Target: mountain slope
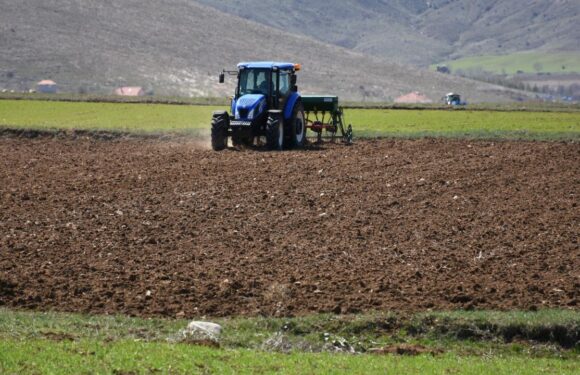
[178, 46]
[497, 27]
[383, 28]
[422, 32]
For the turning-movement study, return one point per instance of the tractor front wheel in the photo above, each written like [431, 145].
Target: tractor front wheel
[275, 130]
[220, 122]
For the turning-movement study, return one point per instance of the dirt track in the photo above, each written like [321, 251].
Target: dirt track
[164, 228]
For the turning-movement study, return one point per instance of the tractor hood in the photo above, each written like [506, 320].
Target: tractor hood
[250, 106]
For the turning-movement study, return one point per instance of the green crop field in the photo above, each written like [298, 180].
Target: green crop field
[465, 123]
[527, 62]
[60, 343]
[366, 122]
[104, 116]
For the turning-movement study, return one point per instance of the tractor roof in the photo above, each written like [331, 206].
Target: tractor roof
[266, 65]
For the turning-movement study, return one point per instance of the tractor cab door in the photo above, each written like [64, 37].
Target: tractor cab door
[284, 87]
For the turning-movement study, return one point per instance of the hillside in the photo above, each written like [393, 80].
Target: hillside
[177, 47]
[423, 32]
[527, 62]
[382, 28]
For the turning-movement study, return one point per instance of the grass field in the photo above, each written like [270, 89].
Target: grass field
[527, 62]
[535, 106]
[71, 343]
[105, 116]
[366, 122]
[472, 124]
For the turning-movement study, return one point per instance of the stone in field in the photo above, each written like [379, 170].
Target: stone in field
[204, 329]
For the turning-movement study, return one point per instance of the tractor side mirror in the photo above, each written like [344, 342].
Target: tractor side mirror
[222, 77]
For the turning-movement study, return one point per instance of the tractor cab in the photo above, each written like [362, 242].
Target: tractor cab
[266, 97]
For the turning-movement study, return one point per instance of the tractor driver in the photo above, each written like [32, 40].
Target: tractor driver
[263, 86]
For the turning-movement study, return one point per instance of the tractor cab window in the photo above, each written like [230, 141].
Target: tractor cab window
[285, 82]
[254, 81]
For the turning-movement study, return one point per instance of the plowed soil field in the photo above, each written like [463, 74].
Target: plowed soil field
[167, 228]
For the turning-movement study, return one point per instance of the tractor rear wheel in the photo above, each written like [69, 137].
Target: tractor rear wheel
[275, 130]
[220, 122]
[296, 128]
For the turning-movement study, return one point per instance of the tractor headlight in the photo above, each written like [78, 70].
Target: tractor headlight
[251, 114]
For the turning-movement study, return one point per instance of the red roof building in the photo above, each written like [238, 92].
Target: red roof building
[130, 91]
[46, 86]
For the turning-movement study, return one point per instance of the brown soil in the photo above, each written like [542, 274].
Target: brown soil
[146, 227]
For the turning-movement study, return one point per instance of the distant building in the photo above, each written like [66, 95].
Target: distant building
[413, 97]
[130, 91]
[47, 86]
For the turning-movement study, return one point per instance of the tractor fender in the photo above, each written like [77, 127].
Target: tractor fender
[289, 108]
[217, 114]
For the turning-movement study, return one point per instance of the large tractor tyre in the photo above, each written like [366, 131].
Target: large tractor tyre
[296, 128]
[220, 122]
[275, 130]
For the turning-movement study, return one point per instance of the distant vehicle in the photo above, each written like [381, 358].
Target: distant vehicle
[453, 99]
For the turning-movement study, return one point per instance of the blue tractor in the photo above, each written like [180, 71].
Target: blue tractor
[454, 99]
[266, 104]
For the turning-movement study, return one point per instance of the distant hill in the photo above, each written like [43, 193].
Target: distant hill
[177, 47]
[423, 32]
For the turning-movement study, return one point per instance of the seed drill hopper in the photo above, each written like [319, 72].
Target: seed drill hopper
[325, 118]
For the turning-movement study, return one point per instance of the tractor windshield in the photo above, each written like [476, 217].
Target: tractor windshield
[254, 81]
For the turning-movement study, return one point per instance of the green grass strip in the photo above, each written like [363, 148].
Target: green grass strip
[64, 343]
[124, 357]
[124, 117]
[156, 118]
[250, 332]
[465, 124]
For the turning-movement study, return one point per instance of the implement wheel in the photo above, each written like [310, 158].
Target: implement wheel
[275, 130]
[220, 122]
